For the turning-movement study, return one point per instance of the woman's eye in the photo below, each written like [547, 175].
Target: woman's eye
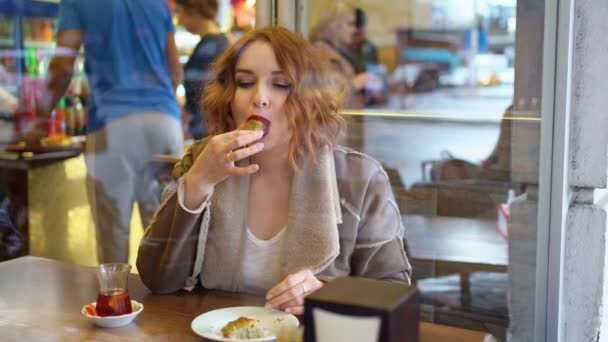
[282, 85]
[244, 84]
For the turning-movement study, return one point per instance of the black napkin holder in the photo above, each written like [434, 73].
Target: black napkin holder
[350, 299]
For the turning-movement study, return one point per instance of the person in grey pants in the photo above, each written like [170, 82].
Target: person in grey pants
[132, 68]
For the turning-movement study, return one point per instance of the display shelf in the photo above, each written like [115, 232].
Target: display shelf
[29, 8]
[34, 44]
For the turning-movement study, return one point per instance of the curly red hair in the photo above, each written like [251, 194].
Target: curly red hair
[313, 102]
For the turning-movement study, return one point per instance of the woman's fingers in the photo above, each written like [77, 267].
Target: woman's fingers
[295, 294]
[293, 307]
[237, 139]
[289, 294]
[216, 162]
[296, 310]
[245, 152]
[239, 154]
[243, 171]
[288, 306]
[286, 284]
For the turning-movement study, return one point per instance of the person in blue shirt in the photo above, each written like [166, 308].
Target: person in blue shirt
[132, 67]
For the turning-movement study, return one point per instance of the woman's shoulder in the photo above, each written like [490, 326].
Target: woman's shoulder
[354, 164]
[359, 177]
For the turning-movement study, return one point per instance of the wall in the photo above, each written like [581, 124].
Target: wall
[602, 202]
[585, 244]
[584, 263]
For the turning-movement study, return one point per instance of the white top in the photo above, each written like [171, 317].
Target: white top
[261, 259]
[262, 262]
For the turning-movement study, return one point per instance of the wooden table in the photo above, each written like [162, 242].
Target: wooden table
[42, 298]
[442, 245]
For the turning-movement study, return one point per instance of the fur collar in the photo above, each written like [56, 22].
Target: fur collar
[312, 228]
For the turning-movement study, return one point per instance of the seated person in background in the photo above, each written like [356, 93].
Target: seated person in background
[496, 167]
[498, 164]
[278, 213]
[365, 58]
[363, 51]
[332, 35]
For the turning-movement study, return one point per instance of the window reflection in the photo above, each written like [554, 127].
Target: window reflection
[438, 113]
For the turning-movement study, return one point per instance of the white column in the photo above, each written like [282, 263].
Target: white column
[584, 273]
[286, 14]
[585, 254]
[263, 13]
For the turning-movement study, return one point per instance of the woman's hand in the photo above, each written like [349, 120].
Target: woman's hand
[289, 294]
[217, 162]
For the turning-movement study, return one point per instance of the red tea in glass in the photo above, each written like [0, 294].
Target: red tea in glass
[113, 298]
[113, 303]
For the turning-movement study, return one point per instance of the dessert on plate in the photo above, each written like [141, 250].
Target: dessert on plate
[243, 328]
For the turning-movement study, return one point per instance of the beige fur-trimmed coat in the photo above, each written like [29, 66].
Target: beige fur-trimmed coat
[343, 221]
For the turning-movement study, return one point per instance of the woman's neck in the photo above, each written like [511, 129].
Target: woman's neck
[272, 164]
[206, 27]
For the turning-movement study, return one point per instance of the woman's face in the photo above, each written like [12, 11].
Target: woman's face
[345, 29]
[186, 18]
[262, 89]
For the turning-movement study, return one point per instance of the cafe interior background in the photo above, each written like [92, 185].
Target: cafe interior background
[457, 128]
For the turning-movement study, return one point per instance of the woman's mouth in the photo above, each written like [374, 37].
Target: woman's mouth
[257, 122]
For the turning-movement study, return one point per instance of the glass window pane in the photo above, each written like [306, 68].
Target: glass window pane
[437, 109]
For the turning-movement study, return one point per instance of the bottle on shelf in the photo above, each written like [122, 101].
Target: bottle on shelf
[29, 99]
[31, 63]
[57, 129]
[70, 118]
[77, 120]
[80, 114]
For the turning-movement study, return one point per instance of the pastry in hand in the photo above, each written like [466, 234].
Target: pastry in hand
[243, 328]
[257, 122]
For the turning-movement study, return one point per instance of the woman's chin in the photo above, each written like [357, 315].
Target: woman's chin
[273, 144]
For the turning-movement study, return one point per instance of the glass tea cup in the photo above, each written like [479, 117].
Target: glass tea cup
[113, 298]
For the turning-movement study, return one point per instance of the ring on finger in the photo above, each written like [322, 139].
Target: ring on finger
[229, 157]
[303, 289]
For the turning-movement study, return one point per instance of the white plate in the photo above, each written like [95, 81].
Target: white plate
[114, 321]
[209, 325]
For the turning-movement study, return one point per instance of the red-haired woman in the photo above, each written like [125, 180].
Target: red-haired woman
[277, 212]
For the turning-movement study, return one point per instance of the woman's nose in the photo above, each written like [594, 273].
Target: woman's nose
[261, 97]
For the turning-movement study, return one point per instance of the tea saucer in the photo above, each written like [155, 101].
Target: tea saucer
[113, 321]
